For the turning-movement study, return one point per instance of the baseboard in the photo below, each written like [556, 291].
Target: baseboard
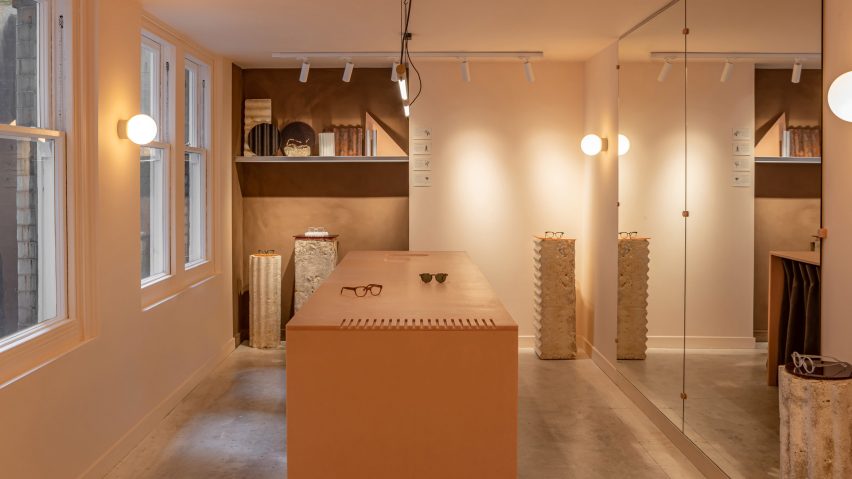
[526, 342]
[692, 452]
[701, 342]
[140, 431]
[761, 335]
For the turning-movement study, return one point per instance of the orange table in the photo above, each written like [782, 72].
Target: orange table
[418, 382]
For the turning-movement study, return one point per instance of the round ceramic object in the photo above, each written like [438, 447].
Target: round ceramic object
[300, 133]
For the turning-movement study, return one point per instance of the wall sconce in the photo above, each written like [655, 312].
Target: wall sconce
[593, 144]
[623, 145]
[140, 129]
[840, 97]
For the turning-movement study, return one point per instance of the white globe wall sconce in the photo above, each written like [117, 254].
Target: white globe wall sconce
[140, 129]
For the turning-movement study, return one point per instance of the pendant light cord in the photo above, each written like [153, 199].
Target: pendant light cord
[404, 53]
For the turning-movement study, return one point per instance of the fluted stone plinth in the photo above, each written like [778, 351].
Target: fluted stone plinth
[816, 427]
[633, 267]
[315, 259]
[265, 300]
[555, 304]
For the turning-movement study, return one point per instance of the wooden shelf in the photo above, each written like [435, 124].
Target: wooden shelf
[321, 159]
[791, 160]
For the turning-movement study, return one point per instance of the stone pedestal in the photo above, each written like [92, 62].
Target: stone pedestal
[555, 299]
[265, 300]
[633, 266]
[816, 427]
[315, 259]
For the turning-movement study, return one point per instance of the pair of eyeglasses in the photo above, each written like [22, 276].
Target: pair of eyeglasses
[810, 362]
[439, 277]
[266, 251]
[554, 234]
[627, 234]
[361, 291]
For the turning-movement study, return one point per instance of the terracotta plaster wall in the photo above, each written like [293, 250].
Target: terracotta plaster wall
[77, 415]
[837, 195]
[506, 166]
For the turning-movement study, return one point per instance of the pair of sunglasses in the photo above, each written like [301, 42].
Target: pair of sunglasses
[554, 234]
[439, 277]
[361, 291]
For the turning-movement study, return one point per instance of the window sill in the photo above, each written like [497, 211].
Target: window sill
[175, 294]
[32, 348]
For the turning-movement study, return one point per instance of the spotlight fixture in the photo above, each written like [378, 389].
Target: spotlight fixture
[664, 72]
[528, 70]
[797, 72]
[623, 145]
[727, 70]
[306, 68]
[465, 70]
[140, 129]
[593, 144]
[394, 76]
[347, 71]
[840, 97]
[403, 83]
[406, 108]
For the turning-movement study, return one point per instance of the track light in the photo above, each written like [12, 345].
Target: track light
[664, 72]
[528, 70]
[394, 76]
[406, 108]
[465, 70]
[797, 72]
[403, 83]
[303, 75]
[726, 71]
[347, 71]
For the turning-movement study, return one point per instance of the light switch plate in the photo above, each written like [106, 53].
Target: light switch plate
[421, 134]
[741, 163]
[423, 179]
[741, 179]
[422, 162]
[741, 134]
[421, 147]
[742, 148]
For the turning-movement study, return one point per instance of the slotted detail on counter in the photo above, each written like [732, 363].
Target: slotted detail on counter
[438, 324]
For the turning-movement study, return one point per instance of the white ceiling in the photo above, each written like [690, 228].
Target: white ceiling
[249, 31]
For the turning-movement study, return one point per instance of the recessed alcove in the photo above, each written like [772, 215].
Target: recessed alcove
[364, 199]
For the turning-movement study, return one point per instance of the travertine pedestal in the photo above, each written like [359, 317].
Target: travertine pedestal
[555, 303]
[265, 300]
[315, 259]
[816, 427]
[633, 266]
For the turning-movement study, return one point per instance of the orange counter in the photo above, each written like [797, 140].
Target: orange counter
[418, 382]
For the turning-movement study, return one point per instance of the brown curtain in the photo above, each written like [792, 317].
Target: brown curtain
[799, 328]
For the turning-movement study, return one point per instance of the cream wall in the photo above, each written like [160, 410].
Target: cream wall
[720, 235]
[599, 263]
[837, 194]
[80, 413]
[506, 166]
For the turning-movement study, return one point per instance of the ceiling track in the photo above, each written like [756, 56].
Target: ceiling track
[389, 55]
[738, 56]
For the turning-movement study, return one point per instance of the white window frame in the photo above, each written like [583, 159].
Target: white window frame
[165, 132]
[201, 135]
[63, 29]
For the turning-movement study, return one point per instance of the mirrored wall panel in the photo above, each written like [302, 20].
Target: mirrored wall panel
[652, 173]
[754, 186]
[720, 200]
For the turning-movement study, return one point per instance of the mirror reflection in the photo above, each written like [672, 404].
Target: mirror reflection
[732, 154]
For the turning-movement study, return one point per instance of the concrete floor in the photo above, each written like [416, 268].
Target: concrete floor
[573, 422]
[730, 412]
